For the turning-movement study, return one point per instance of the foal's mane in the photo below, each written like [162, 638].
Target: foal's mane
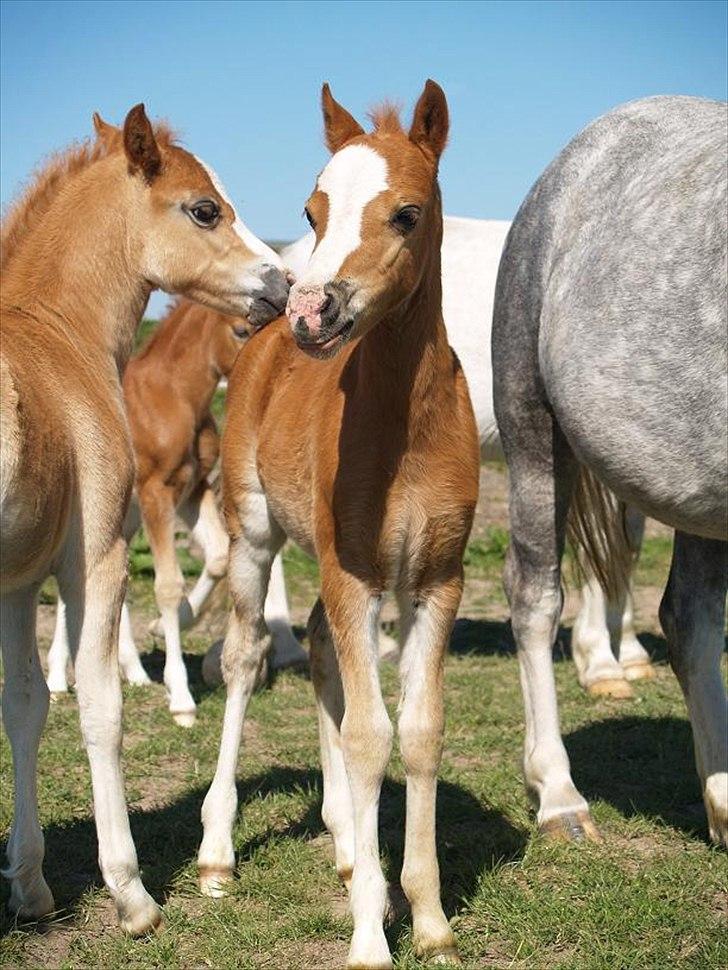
[385, 117]
[34, 201]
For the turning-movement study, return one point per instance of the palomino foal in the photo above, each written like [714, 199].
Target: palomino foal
[99, 228]
[367, 456]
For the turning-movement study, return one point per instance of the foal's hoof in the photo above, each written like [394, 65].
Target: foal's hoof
[639, 671]
[573, 827]
[215, 882]
[615, 687]
[185, 719]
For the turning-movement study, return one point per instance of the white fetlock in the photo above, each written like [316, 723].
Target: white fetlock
[369, 949]
[136, 675]
[57, 683]
[716, 807]
[181, 706]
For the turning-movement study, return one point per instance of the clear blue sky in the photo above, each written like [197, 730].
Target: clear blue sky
[242, 80]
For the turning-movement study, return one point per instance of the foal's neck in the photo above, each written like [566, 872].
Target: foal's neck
[405, 363]
[76, 269]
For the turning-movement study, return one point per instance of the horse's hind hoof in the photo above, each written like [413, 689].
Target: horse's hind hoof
[32, 904]
[615, 687]
[639, 671]
[572, 827]
[146, 918]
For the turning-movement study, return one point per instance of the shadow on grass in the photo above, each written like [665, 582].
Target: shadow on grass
[167, 840]
[641, 766]
[494, 638]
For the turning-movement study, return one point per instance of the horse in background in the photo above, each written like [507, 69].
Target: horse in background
[363, 449]
[99, 227]
[168, 389]
[610, 369]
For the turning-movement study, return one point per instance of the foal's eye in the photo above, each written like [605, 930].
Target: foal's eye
[311, 220]
[405, 220]
[205, 213]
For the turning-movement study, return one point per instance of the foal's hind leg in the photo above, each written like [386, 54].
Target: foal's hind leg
[158, 511]
[93, 620]
[59, 654]
[25, 707]
[337, 810]
[199, 513]
[247, 643]
[541, 482]
[692, 614]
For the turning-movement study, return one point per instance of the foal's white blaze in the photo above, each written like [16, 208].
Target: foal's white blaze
[255, 245]
[353, 177]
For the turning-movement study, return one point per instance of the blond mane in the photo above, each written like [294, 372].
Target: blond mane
[385, 117]
[34, 201]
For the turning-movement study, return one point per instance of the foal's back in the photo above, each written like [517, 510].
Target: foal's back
[621, 245]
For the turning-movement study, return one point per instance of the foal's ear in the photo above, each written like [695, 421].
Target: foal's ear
[431, 121]
[105, 132]
[140, 144]
[339, 126]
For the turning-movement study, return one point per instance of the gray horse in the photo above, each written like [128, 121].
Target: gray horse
[609, 362]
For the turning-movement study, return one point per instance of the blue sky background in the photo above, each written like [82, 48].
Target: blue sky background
[241, 81]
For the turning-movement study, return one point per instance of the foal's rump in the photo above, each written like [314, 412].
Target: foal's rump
[37, 474]
[58, 454]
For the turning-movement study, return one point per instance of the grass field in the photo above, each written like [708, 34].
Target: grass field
[652, 895]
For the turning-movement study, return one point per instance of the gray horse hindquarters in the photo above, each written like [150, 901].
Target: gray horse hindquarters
[609, 355]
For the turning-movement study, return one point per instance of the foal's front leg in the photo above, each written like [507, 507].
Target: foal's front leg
[421, 725]
[246, 645]
[366, 738]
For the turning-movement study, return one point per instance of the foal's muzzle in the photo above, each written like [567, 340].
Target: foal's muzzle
[318, 317]
[270, 301]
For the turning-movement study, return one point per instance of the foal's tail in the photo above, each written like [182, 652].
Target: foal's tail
[597, 528]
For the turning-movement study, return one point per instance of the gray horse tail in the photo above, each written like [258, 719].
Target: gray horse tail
[597, 529]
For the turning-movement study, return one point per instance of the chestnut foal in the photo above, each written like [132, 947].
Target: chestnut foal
[98, 229]
[367, 456]
[168, 388]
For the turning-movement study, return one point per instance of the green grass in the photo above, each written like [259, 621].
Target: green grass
[652, 895]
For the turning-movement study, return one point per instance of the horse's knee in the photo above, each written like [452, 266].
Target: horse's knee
[168, 592]
[367, 743]
[421, 746]
[243, 652]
